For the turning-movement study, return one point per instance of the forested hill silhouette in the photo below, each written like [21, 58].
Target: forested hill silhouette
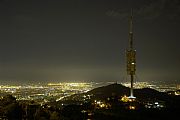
[109, 90]
[120, 90]
[148, 93]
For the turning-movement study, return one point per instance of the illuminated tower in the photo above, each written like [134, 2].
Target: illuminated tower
[131, 56]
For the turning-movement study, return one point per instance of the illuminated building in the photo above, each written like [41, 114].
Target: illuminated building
[131, 57]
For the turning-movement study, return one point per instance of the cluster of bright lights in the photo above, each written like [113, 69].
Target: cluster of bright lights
[127, 99]
[155, 104]
[132, 107]
[100, 104]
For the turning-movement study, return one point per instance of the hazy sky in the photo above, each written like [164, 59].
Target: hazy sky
[85, 40]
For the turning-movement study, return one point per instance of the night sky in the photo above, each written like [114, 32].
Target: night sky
[85, 40]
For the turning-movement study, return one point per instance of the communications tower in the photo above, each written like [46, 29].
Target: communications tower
[131, 56]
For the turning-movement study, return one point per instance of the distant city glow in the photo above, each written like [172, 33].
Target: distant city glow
[59, 91]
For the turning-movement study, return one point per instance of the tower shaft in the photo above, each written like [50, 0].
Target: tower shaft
[131, 56]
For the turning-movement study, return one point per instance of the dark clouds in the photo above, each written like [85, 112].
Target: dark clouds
[151, 9]
[86, 39]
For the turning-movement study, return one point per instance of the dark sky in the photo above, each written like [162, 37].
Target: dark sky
[85, 40]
